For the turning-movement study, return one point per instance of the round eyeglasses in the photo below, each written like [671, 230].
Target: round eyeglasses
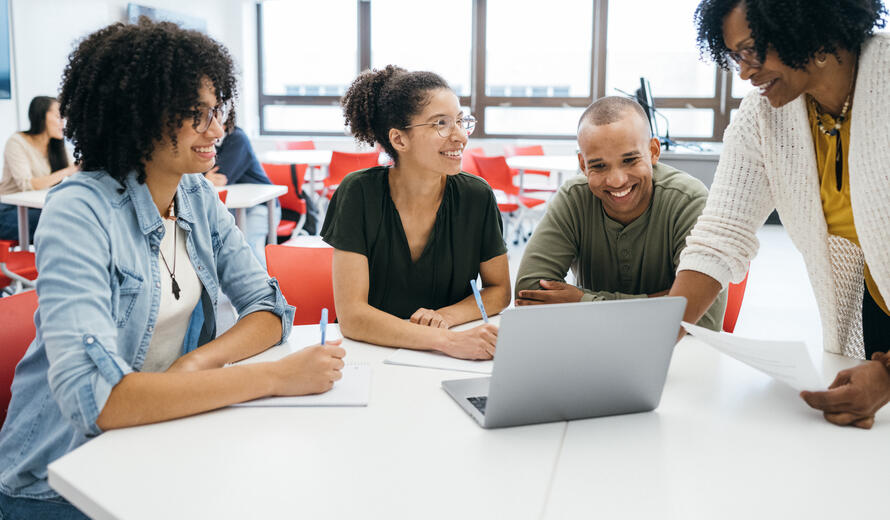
[444, 125]
[748, 56]
[204, 117]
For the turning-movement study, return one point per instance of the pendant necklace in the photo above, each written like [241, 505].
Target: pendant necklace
[174, 285]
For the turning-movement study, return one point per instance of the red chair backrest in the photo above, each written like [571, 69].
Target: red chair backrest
[496, 171]
[5, 246]
[734, 297]
[468, 160]
[295, 145]
[534, 149]
[304, 275]
[223, 195]
[283, 175]
[17, 324]
[344, 163]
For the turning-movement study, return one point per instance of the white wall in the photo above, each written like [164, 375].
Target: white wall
[44, 32]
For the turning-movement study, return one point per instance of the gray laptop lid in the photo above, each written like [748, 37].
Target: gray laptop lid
[569, 361]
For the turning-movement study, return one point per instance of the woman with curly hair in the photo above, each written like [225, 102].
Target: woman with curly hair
[132, 254]
[810, 143]
[409, 238]
[33, 160]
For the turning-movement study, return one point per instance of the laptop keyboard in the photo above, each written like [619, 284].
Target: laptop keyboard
[479, 402]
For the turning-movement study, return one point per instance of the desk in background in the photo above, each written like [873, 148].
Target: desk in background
[240, 197]
[727, 442]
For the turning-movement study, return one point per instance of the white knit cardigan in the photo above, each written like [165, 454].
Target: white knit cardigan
[768, 162]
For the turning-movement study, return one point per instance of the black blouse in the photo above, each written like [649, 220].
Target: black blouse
[468, 230]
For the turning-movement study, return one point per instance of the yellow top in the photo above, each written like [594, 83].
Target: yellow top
[836, 204]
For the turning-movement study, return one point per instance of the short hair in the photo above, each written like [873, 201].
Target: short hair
[379, 100]
[127, 86]
[796, 29]
[607, 110]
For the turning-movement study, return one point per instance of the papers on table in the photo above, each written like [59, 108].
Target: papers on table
[785, 361]
[429, 359]
[354, 389]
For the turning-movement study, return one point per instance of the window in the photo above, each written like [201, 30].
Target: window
[443, 44]
[525, 68]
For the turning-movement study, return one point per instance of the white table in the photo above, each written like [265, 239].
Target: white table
[243, 196]
[412, 453]
[561, 164]
[25, 200]
[240, 197]
[314, 159]
[726, 442]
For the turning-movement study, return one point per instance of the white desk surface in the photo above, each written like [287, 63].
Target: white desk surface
[249, 195]
[310, 157]
[28, 199]
[558, 163]
[726, 442]
[239, 196]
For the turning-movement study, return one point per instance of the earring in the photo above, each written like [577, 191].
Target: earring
[821, 60]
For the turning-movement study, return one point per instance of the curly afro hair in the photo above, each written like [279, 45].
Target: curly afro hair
[796, 29]
[379, 100]
[127, 86]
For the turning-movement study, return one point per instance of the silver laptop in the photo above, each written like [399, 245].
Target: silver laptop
[574, 360]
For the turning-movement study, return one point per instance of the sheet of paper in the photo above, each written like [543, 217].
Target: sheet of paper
[354, 389]
[428, 359]
[785, 361]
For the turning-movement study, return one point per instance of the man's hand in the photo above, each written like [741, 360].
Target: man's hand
[430, 318]
[552, 292]
[218, 179]
[855, 395]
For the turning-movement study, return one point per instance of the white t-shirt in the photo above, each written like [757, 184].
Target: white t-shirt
[173, 315]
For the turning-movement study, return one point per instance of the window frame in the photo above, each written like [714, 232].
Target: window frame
[721, 103]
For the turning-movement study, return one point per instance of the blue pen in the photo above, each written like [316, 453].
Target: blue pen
[323, 323]
[479, 300]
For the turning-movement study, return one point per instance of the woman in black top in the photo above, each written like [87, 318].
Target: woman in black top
[409, 238]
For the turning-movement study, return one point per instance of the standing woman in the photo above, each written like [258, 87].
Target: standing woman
[132, 254]
[409, 238]
[33, 160]
[811, 143]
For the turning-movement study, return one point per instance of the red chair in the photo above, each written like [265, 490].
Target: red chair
[468, 161]
[535, 149]
[734, 303]
[223, 195]
[16, 267]
[295, 145]
[496, 171]
[17, 324]
[304, 275]
[344, 163]
[291, 176]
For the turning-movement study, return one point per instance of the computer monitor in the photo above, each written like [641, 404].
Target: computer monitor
[644, 98]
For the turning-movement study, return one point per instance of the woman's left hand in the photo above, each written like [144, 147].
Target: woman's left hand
[855, 395]
[430, 318]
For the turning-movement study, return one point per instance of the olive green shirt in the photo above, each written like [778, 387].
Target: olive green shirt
[612, 261]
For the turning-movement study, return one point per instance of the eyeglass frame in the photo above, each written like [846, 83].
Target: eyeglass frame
[203, 122]
[468, 120]
[746, 55]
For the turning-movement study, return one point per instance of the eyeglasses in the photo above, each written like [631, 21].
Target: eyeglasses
[748, 56]
[204, 117]
[445, 124]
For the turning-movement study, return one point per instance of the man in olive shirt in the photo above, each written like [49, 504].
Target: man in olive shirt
[622, 225]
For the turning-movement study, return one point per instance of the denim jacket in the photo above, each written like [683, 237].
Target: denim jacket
[99, 292]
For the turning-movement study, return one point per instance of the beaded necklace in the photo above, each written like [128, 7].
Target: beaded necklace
[835, 131]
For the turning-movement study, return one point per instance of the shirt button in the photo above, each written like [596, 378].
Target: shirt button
[200, 268]
[625, 267]
[154, 248]
[151, 328]
[625, 253]
[158, 285]
[90, 340]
